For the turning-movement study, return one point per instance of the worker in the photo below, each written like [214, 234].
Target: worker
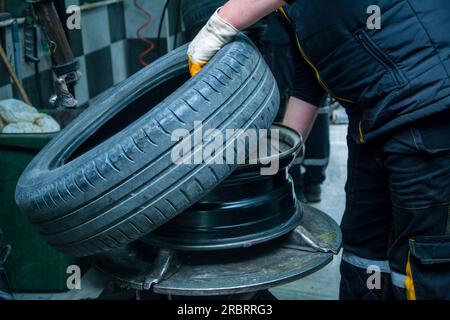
[309, 169]
[388, 63]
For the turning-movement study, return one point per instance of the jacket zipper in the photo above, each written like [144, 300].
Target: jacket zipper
[310, 63]
[380, 56]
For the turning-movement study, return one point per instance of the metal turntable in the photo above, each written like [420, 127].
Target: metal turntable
[248, 235]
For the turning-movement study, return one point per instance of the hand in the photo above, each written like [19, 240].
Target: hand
[214, 35]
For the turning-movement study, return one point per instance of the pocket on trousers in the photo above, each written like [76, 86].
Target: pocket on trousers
[432, 135]
[429, 267]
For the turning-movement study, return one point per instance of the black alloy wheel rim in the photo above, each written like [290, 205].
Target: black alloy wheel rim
[246, 209]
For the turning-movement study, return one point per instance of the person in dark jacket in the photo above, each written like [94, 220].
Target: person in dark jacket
[388, 63]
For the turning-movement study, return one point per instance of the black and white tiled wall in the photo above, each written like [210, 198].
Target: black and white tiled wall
[106, 47]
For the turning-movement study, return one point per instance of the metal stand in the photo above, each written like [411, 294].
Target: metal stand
[66, 67]
[307, 249]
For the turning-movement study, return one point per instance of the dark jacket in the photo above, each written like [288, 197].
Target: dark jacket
[275, 31]
[393, 76]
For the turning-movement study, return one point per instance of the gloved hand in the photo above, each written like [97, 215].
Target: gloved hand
[214, 35]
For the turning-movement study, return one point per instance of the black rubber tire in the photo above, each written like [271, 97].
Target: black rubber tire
[197, 12]
[127, 186]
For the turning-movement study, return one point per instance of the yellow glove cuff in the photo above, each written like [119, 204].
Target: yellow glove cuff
[195, 67]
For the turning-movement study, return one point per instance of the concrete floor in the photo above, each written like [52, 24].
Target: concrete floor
[323, 285]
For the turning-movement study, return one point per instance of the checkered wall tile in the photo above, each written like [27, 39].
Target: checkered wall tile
[101, 49]
[28, 77]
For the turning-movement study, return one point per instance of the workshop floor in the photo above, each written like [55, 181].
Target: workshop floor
[323, 285]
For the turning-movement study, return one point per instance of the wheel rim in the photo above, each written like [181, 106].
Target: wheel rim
[246, 209]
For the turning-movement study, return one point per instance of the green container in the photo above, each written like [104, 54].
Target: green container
[33, 265]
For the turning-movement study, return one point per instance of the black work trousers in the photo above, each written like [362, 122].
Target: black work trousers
[397, 217]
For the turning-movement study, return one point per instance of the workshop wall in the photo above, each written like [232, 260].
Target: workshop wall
[171, 22]
[101, 49]
[107, 47]
[28, 70]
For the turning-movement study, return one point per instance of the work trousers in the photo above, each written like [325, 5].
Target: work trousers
[396, 224]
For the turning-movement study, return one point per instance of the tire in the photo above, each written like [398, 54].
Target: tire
[197, 12]
[92, 190]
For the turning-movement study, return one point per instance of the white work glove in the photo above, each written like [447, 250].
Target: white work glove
[214, 35]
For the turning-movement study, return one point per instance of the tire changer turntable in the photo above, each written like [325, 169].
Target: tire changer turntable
[248, 235]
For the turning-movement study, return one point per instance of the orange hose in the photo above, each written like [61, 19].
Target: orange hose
[151, 45]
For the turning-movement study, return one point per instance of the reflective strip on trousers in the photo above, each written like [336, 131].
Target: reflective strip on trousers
[364, 263]
[298, 160]
[316, 162]
[398, 279]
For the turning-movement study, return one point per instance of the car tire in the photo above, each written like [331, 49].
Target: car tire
[108, 178]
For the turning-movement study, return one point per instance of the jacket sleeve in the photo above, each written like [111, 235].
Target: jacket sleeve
[305, 85]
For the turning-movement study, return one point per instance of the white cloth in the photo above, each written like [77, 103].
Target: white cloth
[18, 117]
[214, 35]
[47, 123]
[21, 127]
[14, 111]
[2, 124]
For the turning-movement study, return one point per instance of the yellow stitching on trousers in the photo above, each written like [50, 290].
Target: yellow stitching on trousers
[361, 133]
[409, 283]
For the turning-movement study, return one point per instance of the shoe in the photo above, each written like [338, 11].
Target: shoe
[313, 193]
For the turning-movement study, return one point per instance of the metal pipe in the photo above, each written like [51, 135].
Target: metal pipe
[48, 17]
[12, 73]
[9, 22]
[90, 6]
[17, 51]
